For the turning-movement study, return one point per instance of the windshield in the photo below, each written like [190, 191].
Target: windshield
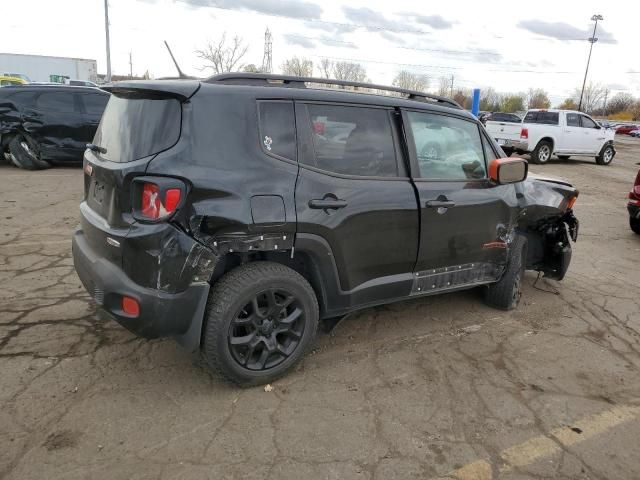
[136, 125]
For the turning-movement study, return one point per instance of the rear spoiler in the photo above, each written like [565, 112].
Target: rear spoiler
[180, 89]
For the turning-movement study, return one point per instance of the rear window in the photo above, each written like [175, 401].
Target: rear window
[134, 126]
[546, 118]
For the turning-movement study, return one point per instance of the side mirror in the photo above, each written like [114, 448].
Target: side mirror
[508, 170]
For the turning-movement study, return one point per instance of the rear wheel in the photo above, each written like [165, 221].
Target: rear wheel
[261, 319]
[542, 153]
[24, 154]
[506, 293]
[634, 223]
[606, 155]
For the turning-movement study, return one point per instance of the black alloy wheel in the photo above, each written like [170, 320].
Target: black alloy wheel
[267, 330]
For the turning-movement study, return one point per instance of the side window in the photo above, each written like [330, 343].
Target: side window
[573, 120]
[489, 153]
[277, 128]
[353, 140]
[94, 103]
[447, 148]
[587, 122]
[56, 101]
[23, 99]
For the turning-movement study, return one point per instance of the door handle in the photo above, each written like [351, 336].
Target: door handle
[327, 203]
[440, 204]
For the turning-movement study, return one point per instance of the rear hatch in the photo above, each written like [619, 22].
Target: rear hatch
[141, 120]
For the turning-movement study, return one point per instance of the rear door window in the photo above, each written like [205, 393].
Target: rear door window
[353, 140]
[545, 118]
[447, 148]
[62, 102]
[277, 128]
[136, 125]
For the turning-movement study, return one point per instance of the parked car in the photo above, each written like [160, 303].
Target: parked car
[6, 81]
[21, 76]
[633, 206]
[43, 125]
[505, 129]
[635, 133]
[564, 133]
[235, 213]
[626, 129]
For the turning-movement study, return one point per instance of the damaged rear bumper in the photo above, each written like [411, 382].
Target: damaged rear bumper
[176, 314]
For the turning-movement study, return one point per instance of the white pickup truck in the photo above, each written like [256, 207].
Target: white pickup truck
[564, 133]
[505, 128]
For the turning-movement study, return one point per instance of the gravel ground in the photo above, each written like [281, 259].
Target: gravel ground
[440, 387]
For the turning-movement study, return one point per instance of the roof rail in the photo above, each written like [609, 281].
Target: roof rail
[264, 79]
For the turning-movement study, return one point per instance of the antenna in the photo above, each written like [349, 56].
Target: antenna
[267, 65]
[181, 74]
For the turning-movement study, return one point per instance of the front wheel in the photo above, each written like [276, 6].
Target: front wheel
[606, 156]
[261, 319]
[634, 223]
[506, 293]
[542, 153]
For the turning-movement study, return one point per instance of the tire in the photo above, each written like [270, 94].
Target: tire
[606, 155]
[250, 346]
[542, 153]
[634, 223]
[24, 155]
[564, 157]
[506, 293]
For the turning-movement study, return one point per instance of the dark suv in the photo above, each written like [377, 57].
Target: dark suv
[235, 213]
[45, 125]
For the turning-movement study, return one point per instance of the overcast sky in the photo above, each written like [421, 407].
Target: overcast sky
[509, 45]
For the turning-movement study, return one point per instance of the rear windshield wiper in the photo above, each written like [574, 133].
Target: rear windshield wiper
[96, 148]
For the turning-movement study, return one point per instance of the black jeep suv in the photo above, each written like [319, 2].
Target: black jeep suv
[235, 213]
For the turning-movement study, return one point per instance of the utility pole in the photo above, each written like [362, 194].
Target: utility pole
[451, 85]
[592, 40]
[106, 29]
[130, 65]
[606, 96]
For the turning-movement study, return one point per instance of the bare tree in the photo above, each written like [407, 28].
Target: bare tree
[621, 102]
[353, 72]
[326, 68]
[444, 87]
[593, 96]
[299, 67]
[411, 81]
[223, 57]
[463, 97]
[538, 98]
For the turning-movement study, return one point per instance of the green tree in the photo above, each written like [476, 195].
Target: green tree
[512, 103]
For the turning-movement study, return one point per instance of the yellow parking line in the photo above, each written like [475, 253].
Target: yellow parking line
[543, 446]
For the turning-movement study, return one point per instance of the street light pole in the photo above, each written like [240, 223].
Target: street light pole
[592, 40]
[106, 29]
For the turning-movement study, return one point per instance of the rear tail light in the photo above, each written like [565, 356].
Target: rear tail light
[156, 198]
[524, 133]
[130, 306]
